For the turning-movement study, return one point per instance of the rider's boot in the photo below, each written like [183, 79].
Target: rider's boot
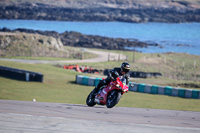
[94, 93]
[96, 89]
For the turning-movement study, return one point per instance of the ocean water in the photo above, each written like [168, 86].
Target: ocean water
[174, 37]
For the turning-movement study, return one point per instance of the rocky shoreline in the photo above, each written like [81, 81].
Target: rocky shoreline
[168, 11]
[77, 39]
[134, 11]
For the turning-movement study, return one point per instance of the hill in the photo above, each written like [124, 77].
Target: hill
[90, 41]
[23, 44]
[137, 11]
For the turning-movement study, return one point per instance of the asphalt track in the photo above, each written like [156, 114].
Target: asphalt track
[101, 57]
[41, 117]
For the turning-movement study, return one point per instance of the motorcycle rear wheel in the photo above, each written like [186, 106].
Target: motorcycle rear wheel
[90, 100]
[113, 98]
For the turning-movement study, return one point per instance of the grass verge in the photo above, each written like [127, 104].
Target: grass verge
[59, 87]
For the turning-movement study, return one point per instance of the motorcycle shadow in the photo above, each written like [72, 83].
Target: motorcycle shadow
[83, 106]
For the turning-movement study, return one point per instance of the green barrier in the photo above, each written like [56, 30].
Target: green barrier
[161, 90]
[195, 94]
[181, 93]
[79, 79]
[168, 90]
[96, 81]
[85, 80]
[91, 81]
[134, 87]
[147, 89]
[154, 89]
[141, 87]
[129, 87]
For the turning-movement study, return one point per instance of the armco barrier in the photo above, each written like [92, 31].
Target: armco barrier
[143, 88]
[19, 74]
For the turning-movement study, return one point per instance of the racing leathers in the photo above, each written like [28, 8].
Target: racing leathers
[123, 77]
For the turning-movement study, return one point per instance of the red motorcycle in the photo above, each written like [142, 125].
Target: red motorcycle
[108, 95]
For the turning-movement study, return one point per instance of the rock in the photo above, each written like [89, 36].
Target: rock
[80, 40]
[103, 10]
[185, 45]
[26, 44]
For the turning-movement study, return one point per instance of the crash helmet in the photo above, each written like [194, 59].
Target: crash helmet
[125, 67]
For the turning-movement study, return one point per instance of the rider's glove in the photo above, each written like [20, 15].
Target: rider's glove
[124, 90]
[114, 75]
[118, 85]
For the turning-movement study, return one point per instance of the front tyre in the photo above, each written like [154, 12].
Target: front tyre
[113, 98]
[90, 100]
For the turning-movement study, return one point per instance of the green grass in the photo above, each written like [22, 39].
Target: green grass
[141, 100]
[170, 65]
[40, 58]
[73, 50]
[59, 87]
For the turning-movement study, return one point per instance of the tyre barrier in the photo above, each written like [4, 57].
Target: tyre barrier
[85, 80]
[19, 74]
[143, 88]
[137, 74]
[170, 91]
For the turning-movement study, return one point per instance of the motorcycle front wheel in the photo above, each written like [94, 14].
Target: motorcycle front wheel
[90, 100]
[113, 98]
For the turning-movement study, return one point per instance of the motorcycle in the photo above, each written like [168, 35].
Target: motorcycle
[108, 95]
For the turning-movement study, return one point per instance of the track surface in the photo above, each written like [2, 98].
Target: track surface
[29, 117]
[102, 57]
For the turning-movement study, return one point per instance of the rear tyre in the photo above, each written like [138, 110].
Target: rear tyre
[90, 100]
[113, 98]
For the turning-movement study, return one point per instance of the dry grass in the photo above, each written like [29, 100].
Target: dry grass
[34, 45]
[178, 69]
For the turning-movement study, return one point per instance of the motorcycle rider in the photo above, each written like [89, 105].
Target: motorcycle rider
[121, 72]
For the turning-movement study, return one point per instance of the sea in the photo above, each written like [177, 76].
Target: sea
[173, 37]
